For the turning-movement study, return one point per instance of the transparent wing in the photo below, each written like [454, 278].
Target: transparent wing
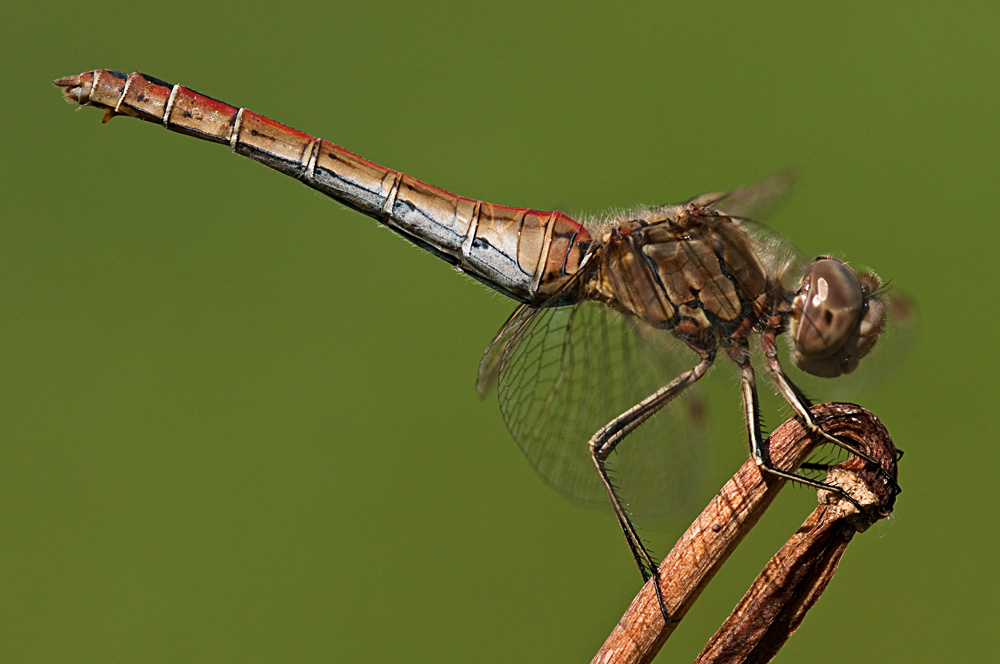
[754, 201]
[565, 372]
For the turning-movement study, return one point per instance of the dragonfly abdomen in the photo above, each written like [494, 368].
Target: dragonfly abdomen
[523, 253]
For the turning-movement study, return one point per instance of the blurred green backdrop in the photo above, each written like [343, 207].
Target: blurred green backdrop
[238, 421]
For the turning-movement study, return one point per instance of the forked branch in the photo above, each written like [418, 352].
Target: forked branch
[795, 577]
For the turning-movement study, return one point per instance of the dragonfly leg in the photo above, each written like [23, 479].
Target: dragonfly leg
[791, 394]
[758, 450]
[604, 442]
[800, 404]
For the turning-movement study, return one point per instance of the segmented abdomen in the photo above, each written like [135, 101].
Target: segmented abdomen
[523, 253]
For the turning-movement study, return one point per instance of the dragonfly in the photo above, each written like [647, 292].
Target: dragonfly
[605, 310]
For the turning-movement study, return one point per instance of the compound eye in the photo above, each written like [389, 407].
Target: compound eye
[828, 308]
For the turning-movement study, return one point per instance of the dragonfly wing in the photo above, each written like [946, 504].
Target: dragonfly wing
[565, 372]
[754, 201]
[489, 365]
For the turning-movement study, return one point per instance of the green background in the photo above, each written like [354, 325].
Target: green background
[237, 420]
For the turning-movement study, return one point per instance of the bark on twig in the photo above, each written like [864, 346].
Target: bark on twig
[775, 605]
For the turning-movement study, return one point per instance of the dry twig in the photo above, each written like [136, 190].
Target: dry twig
[791, 583]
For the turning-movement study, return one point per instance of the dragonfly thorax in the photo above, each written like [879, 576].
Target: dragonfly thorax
[693, 273]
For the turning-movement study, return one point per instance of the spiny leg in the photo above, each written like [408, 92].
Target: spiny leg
[758, 451]
[794, 397]
[604, 442]
[791, 394]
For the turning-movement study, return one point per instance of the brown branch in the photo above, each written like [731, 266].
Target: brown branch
[762, 622]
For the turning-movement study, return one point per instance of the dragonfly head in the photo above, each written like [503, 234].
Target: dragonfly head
[836, 317]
